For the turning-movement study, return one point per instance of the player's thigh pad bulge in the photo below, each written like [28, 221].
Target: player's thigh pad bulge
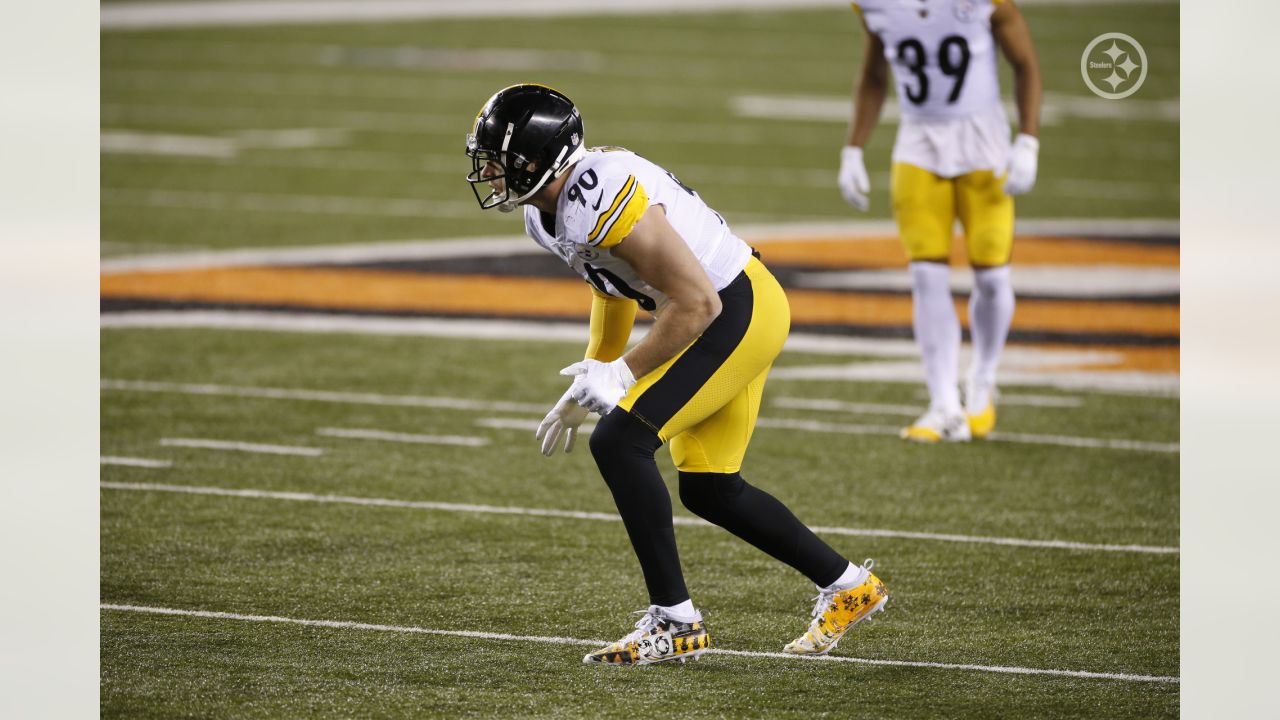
[986, 212]
[924, 206]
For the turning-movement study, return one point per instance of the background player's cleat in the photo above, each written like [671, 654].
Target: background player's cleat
[982, 422]
[980, 408]
[838, 610]
[657, 638]
[938, 426]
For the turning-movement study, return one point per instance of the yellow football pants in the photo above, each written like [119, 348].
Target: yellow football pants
[926, 207]
[705, 400]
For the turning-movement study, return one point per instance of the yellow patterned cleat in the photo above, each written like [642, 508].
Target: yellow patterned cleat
[657, 638]
[838, 610]
[938, 426]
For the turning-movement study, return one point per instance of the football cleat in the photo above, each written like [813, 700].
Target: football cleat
[837, 610]
[938, 426]
[980, 408]
[657, 638]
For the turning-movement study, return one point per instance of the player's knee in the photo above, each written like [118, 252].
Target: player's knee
[704, 493]
[620, 435]
[990, 281]
[697, 493]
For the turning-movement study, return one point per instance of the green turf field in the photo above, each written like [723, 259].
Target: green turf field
[953, 602]
[399, 98]
[337, 134]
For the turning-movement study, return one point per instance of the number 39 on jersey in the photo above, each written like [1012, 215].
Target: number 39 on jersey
[943, 54]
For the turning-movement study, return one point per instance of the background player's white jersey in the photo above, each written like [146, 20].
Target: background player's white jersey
[606, 194]
[943, 56]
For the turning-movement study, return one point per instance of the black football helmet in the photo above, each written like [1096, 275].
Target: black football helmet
[534, 132]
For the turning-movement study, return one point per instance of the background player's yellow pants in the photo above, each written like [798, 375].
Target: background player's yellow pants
[706, 399]
[926, 207]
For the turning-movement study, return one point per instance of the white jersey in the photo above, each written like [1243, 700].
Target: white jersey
[605, 195]
[943, 56]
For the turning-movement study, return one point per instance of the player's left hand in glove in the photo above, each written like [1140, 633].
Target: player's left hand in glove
[563, 419]
[1020, 176]
[599, 386]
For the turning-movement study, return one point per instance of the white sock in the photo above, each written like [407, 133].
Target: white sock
[937, 331]
[990, 313]
[851, 575]
[684, 612]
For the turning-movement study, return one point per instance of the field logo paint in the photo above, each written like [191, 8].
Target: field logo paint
[1120, 64]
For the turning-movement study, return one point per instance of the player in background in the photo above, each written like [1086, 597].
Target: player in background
[642, 239]
[952, 159]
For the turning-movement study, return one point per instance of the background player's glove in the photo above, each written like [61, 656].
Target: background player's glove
[1020, 176]
[853, 181]
[564, 419]
[599, 386]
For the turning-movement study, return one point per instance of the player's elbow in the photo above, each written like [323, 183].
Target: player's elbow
[706, 307]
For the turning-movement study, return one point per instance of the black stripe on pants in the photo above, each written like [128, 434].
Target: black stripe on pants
[702, 359]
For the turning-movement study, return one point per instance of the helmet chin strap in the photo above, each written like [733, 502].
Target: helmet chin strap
[557, 169]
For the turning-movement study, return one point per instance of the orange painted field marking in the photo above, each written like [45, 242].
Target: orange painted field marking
[540, 297]
[358, 290]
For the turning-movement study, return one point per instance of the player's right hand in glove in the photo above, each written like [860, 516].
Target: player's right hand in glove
[563, 419]
[852, 179]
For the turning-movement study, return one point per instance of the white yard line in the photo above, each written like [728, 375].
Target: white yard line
[1063, 440]
[149, 143]
[506, 245]
[613, 517]
[523, 424]
[151, 15]
[135, 142]
[794, 403]
[1011, 374]
[287, 203]
[158, 15]
[1027, 400]
[207, 444]
[350, 398]
[363, 434]
[1021, 364]
[402, 250]
[1059, 281]
[556, 640]
[133, 462]
[1057, 107]
[1069, 441]
[822, 404]
[891, 431]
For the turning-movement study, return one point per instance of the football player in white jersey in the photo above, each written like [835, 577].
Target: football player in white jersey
[642, 239]
[952, 160]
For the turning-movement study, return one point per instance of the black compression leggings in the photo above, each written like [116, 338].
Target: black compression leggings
[624, 447]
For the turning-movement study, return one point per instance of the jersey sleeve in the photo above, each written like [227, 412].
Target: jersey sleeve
[622, 202]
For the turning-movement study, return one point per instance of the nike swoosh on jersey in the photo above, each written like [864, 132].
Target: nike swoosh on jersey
[596, 204]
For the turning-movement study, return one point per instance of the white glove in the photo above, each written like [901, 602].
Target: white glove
[564, 419]
[853, 181]
[599, 386]
[1020, 176]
